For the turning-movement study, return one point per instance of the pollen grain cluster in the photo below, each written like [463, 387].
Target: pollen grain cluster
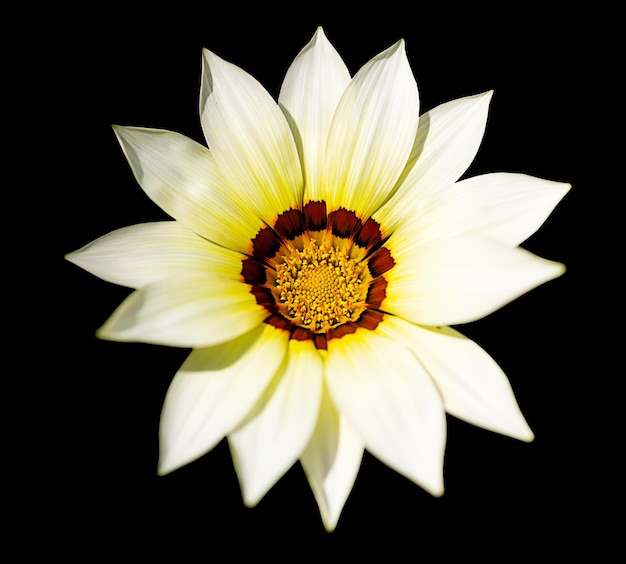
[319, 287]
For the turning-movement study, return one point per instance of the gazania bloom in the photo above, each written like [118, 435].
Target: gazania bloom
[321, 248]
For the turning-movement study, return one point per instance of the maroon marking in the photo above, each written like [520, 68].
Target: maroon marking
[315, 216]
[320, 341]
[370, 319]
[290, 224]
[369, 234]
[265, 244]
[301, 333]
[376, 292]
[253, 272]
[280, 322]
[380, 262]
[344, 223]
[342, 330]
[264, 298]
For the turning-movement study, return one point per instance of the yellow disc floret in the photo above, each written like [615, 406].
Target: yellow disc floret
[319, 287]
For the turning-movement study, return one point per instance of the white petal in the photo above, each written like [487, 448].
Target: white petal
[391, 402]
[139, 255]
[460, 279]
[196, 311]
[331, 461]
[274, 437]
[505, 206]
[447, 141]
[309, 96]
[372, 133]
[473, 386]
[250, 138]
[213, 391]
[182, 178]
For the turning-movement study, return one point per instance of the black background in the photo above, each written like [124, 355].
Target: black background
[91, 486]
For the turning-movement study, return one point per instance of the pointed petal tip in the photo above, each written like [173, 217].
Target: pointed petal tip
[77, 258]
[398, 54]
[479, 99]
[105, 334]
[483, 97]
[124, 131]
[524, 434]
[120, 129]
[329, 524]
[558, 269]
[127, 133]
[164, 468]
[437, 492]
[428, 476]
[112, 330]
[71, 257]
[329, 513]
[209, 57]
[398, 47]
[319, 38]
[252, 488]
[517, 428]
[250, 498]
[329, 516]
[435, 487]
[432, 485]
[169, 462]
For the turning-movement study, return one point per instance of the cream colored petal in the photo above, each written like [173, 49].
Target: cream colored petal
[447, 141]
[250, 139]
[460, 279]
[141, 254]
[188, 311]
[309, 96]
[473, 386]
[214, 390]
[331, 461]
[182, 178]
[505, 206]
[266, 445]
[372, 133]
[391, 402]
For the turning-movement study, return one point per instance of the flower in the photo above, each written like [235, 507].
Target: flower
[321, 248]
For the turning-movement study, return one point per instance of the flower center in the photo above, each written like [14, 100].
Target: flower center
[319, 287]
[319, 275]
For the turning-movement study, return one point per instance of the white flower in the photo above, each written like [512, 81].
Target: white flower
[320, 250]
